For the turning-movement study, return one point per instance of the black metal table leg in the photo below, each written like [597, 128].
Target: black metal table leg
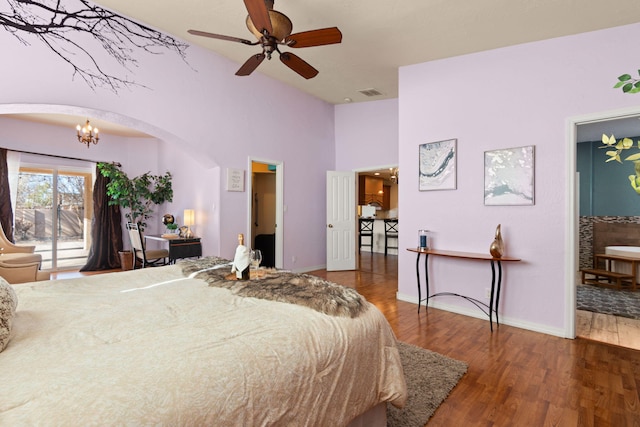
[498, 292]
[426, 280]
[493, 286]
[418, 276]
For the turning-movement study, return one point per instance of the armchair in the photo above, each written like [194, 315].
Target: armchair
[22, 273]
[17, 254]
[8, 247]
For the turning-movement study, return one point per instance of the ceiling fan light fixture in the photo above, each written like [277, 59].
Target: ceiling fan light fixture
[273, 28]
[281, 24]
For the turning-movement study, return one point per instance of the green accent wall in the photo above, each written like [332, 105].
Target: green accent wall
[604, 187]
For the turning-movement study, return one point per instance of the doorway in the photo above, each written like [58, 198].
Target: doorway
[377, 198]
[379, 206]
[591, 214]
[265, 228]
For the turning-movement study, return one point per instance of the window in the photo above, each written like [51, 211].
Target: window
[53, 210]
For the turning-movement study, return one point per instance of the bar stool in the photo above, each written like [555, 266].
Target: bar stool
[390, 232]
[366, 230]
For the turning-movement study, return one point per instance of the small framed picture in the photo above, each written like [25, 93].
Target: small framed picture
[235, 180]
[509, 176]
[437, 168]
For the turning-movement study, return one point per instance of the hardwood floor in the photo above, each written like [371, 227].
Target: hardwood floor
[609, 329]
[516, 377]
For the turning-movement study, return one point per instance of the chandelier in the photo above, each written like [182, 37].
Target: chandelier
[86, 134]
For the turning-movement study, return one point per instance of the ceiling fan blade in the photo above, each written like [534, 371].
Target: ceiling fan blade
[221, 37]
[298, 65]
[319, 37]
[259, 15]
[251, 64]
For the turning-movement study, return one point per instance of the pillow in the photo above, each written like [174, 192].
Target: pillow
[8, 304]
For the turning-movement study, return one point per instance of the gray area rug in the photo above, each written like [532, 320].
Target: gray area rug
[596, 299]
[430, 378]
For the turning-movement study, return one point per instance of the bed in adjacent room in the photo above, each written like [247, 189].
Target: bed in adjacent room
[176, 345]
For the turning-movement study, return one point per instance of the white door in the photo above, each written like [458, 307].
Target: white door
[341, 221]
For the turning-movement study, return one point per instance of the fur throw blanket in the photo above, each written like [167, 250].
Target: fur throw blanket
[8, 304]
[279, 285]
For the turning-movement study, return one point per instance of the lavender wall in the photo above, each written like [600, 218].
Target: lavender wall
[510, 97]
[366, 135]
[204, 120]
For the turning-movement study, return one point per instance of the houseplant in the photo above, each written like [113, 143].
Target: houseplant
[136, 195]
[615, 148]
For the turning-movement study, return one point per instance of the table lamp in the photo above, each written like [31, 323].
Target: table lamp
[188, 221]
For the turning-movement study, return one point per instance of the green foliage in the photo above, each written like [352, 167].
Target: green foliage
[615, 148]
[138, 194]
[628, 83]
[35, 191]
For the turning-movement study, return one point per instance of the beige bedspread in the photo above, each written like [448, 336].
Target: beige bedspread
[112, 350]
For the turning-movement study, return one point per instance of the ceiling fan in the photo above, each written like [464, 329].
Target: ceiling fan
[273, 28]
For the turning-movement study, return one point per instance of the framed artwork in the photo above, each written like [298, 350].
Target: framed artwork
[509, 176]
[437, 168]
[235, 180]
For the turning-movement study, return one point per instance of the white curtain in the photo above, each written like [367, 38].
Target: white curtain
[13, 166]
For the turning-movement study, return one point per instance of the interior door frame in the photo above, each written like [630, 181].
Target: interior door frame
[279, 255]
[572, 245]
[358, 171]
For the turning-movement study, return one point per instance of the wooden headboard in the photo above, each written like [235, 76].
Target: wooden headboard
[614, 234]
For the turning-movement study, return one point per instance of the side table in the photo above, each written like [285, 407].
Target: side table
[180, 247]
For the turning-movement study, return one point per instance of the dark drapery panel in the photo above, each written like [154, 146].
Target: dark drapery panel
[6, 211]
[106, 230]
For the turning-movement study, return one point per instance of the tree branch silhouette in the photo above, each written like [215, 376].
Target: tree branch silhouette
[70, 34]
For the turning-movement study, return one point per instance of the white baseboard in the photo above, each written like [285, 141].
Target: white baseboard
[308, 269]
[475, 312]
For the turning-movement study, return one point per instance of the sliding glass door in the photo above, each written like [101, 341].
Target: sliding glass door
[53, 212]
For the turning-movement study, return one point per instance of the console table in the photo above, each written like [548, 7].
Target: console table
[179, 247]
[494, 297]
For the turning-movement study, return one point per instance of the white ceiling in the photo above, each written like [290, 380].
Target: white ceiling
[378, 36]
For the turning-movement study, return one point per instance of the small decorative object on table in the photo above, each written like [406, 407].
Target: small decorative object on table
[256, 258]
[169, 221]
[241, 260]
[423, 240]
[497, 246]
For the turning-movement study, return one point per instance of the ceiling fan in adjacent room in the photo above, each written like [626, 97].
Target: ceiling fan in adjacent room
[273, 28]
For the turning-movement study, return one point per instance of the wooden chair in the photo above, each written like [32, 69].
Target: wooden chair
[366, 230]
[146, 257]
[390, 232]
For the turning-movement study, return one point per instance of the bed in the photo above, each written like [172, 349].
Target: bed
[163, 346]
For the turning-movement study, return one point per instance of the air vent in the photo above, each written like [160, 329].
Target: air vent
[370, 92]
